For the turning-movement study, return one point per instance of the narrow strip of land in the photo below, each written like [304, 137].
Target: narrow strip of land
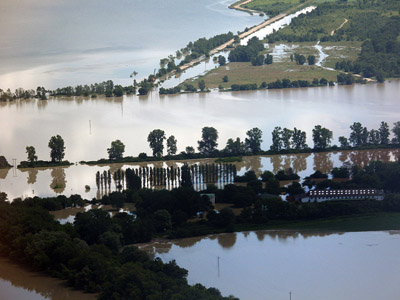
[241, 36]
[238, 6]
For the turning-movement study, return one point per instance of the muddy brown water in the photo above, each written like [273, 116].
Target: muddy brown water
[18, 283]
[311, 265]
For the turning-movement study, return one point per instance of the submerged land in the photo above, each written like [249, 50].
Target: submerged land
[98, 253]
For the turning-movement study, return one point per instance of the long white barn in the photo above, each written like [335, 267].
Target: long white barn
[345, 194]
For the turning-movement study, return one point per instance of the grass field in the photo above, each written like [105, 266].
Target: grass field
[245, 73]
[339, 51]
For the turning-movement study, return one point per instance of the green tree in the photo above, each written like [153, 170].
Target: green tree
[321, 137]
[268, 59]
[30, 150]
[202, 85]
[186, 177]
[133, 181]
[171, 145]
[311, 60]
[208, 143]
[225, 78]
[286, 138]
[235, 147]
[384, 133]
[373, 137]
[356, 135]
[156, 140]
[189, 150]
[57, 148]
[276, 139]
[343, 142]
[116, 150]
[299, 139]
[396, 132]
[162, 220]
[221, 60]
[253, 140]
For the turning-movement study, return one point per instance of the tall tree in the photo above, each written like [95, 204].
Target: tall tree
[186, 178]
[384, 133]
[31, 151]
[57, 148]
[202, 85]
[235, 147]
[276, 139]
[396, 132]
[156, 140]
[356, 135]
[133, 181]
[321, 137]
[253, 140]
[116, 150]
[286, 138]
[343, 142]
[374, 137]
[208, 143]
[171, 145]
[299, 139]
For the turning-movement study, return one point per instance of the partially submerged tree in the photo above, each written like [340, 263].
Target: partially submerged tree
[116, 150]
[57, 148]
[208, 143]
[31, 151]
[156, 140]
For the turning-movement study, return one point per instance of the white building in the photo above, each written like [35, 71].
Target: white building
[346, 194]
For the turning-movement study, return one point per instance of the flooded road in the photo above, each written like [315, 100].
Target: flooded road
[270, 264]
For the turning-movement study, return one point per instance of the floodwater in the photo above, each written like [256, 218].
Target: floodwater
[16, 283]
[70, 42]
[72, 180]
[271, 264]
[89, 125]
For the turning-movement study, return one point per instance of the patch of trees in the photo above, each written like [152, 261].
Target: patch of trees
[360, 136]
[57, 153]
[106, 88]
[88, 254]
[248, 52]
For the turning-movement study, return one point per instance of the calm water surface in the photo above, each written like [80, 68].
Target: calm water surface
[269, 264]
[130, 119]
[69, 42]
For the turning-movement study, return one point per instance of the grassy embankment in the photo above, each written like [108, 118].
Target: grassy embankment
[362, 222]
[300, 37]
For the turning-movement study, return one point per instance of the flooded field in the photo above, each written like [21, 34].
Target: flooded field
[310, 265]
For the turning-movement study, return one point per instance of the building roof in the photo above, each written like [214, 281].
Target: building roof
[344, 192]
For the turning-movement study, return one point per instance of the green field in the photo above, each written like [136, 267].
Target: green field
[245, 73]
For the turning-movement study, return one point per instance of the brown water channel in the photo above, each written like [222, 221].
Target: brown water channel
[17, 283]
[311, 265]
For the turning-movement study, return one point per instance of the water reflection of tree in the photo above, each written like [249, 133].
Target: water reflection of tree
[58, 180]
[252, 163]
[227, 240]
[323, 162]
[344, 156]
[32, 176]
[4, 172]
[276, 161]
[300, 162]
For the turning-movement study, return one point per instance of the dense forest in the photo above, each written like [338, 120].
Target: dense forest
[376, 23]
